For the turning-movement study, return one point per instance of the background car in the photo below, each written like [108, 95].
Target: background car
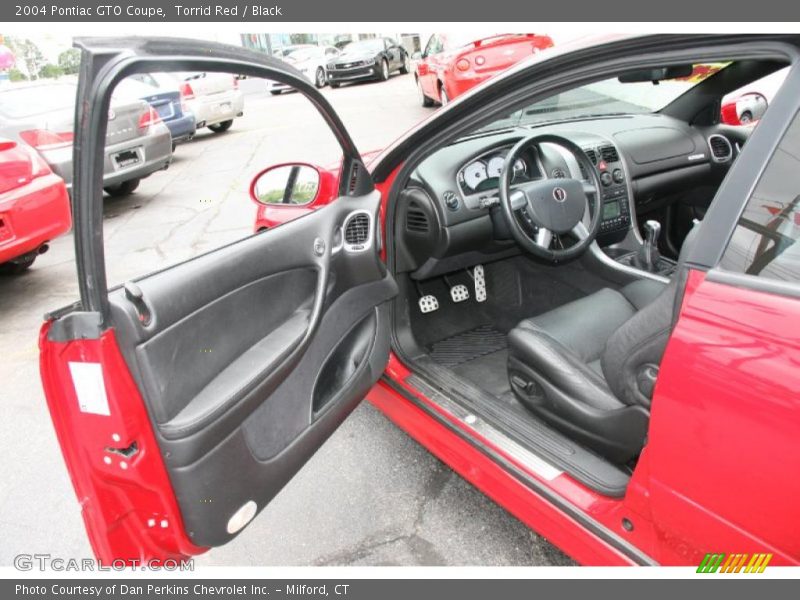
[34, 206]
[161, 92]
[374, 59]
[213, 98]
[744, 109]
[748, 104]
[451, 64]
[311, 61]
[43, 116]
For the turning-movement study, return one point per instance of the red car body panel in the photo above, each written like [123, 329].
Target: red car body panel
[723, 438]
[34, 204]
[459, 69]
[729, 114]
[130, 512]
[483, 472]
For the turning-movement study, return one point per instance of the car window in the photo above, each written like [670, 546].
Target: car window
[433, 46]
[155, 217]
[459, 40]
[766, 241]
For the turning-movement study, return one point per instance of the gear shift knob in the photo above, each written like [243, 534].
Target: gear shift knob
[652, 230]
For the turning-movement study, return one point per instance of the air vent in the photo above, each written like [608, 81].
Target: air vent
[416, 219]
[609, 154]
[721, 148]
[357, 232]
[592, 155]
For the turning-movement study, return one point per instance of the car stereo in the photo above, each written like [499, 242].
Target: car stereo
[616, 214]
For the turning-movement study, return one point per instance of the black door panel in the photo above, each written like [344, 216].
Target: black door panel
[253, 354]
[246, 358]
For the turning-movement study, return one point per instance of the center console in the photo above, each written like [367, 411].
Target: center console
[617, 237]
[616, 218]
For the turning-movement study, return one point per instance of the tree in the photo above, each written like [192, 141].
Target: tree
[69, 61]
[50, 71]
[15, 74]
[28, 55]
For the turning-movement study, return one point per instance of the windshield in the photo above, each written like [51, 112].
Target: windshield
[365, 46]
[609, 97]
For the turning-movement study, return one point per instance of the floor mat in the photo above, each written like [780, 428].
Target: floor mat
[489, 372]
[467, 346]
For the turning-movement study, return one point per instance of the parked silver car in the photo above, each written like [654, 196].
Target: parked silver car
[43, 115]
[213, 98]
[310, 60]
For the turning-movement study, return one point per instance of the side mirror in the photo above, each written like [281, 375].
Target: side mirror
[293, 184]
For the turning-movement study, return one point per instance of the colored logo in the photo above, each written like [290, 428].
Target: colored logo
[734, 563]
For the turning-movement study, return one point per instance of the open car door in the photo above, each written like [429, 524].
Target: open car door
[186, 399]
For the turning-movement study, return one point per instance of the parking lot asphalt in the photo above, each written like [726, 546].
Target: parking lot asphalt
[371, 495]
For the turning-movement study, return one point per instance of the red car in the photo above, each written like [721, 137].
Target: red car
[745, 109]
[450, 65]
[34, 206]
[487, 286]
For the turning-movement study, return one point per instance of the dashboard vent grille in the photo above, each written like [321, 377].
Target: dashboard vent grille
[720, 148]
[592, 155]
[356, 232]
[609, 154]
[416, 219]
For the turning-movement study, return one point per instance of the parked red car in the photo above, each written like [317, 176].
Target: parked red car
[450, 64]
[34, 206]
[487, 286]
[745, 109]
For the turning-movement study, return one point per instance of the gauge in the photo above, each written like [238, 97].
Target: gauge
[474, 173]
[495, 166]
[519, 167]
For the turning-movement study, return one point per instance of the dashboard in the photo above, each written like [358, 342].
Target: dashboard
[449, 215]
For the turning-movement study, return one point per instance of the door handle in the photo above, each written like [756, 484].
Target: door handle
[135, 296]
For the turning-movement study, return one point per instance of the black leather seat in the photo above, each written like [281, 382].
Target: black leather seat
[588, 368]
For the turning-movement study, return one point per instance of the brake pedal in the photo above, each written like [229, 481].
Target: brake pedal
[428, 303]
[459, 293]
[480, 283]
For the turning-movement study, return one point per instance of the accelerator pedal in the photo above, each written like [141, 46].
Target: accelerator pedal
[480, 283]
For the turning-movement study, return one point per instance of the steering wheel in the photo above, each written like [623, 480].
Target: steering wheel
[551, 206]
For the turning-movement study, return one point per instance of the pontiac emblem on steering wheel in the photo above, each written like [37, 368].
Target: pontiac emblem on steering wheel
[560, 194]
